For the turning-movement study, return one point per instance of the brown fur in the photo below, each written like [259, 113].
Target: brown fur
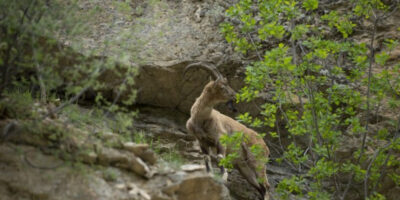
[207, 124]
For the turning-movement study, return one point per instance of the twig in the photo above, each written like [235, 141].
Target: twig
[314, 114]
[383, 172]
[116, 98]
[371, 61]
[368, 171]
[255, 47]
[384, 165]
[394, 7]
[65, 104]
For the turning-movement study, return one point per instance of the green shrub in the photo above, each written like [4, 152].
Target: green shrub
[316, 73]
[18, 104]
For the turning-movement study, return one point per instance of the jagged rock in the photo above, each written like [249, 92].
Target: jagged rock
[142, 151]
[149, 156]
[163, 132]
[110, 156]
[120, 186]
[195, 36]
[42, 179]
[108, 135]
[193, 167]
[199, 186]
[160, 83]
[166, 147]
[88, 157]
[19, 181]
[137, 149]
[139, 167]
[137, 193]
[195, 156]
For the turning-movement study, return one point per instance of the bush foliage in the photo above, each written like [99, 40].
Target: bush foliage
[327, 88]
[43, 51]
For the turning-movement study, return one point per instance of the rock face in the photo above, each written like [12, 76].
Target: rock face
[163, 85]
[127, 171]
[82, 165]
[142, 151]
[20, 180]
[28, 173]
[172, 34]
[189, 33]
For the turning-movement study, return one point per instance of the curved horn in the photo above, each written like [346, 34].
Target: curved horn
[208, 67]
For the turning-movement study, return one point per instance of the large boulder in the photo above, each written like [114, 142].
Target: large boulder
[170, 35]
[28, 173]
[189, 186]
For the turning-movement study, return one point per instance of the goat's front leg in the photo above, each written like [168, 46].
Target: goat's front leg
[207, 159]
[199, 134]
[221, 155]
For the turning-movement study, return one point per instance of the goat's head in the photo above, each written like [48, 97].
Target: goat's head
[218, 90]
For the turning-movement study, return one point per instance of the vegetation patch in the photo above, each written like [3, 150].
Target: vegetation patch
[339, 86]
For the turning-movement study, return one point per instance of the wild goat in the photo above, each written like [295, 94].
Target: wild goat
[207, 125]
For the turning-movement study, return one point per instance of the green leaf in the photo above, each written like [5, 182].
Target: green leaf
[381, 58]
[273, 134]
[310, 4]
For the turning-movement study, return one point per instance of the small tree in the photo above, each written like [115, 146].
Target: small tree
[42, 50]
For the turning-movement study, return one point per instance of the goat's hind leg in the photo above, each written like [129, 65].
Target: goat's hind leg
[251, 177]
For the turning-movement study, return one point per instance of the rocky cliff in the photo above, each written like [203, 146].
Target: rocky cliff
[172, 34]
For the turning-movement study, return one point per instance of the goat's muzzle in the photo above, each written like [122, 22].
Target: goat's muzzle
[230, 106]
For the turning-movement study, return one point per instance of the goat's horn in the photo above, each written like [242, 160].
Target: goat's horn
[208, 67]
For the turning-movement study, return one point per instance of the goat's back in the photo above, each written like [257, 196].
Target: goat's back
[231, 126]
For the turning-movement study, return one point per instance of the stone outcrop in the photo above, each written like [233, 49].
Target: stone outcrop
[130, 172]
[47, 177]
[172, 34]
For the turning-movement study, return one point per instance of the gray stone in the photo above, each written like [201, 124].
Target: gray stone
[142, 151]
[139, 167]
[137, 149]
[199, 186]
[193, 167]
[149, 157]
[111, 156]
[88, 157]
